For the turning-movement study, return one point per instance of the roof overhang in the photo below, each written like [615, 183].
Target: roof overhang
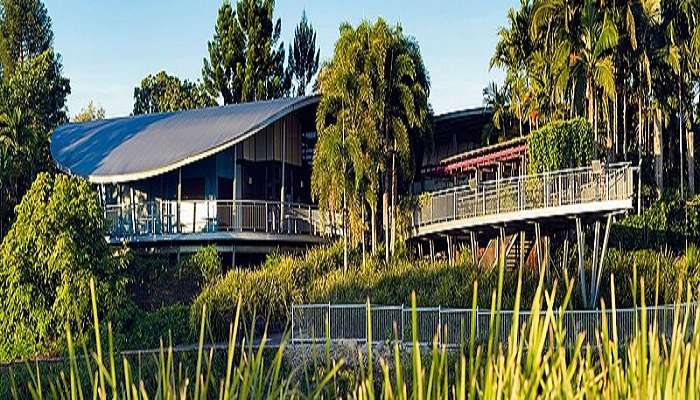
[139, 147]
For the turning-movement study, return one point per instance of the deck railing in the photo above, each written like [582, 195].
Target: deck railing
[527, 192]
[165, 217]
[316, 323]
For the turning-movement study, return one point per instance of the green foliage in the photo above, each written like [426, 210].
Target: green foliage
[164, 93]
[530, 360]
[667, 222]
[302, 63]
[32, 96]
[170, 323]
[269, 290]
[91, 112]
[205, 263]
[561, 145]
[365, 116]
[47, 258]
[245, 61]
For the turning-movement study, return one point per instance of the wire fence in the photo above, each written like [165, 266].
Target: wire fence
[316, 323]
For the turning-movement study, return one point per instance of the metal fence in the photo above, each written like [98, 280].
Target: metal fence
[315, 323]
[527, 192]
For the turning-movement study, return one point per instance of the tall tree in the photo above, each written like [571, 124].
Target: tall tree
[26, 31]
[303, 59]
[32, 82]
[91, 112]
[246, 57]
[375, 97]
[164, 93]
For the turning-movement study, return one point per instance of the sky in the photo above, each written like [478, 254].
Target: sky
[108, 46]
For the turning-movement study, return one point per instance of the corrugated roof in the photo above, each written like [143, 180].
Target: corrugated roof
[138, 147]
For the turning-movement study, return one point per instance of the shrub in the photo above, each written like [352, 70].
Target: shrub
[206, 263]
[561, 145]
[168, 322]
[268, 291]
[47, 259]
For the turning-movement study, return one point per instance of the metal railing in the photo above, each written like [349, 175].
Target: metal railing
[527, 192]
[451, 326]
[164, 217]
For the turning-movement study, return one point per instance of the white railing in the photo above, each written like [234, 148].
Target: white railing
[164, 217]
[527, 192]
[316, 323]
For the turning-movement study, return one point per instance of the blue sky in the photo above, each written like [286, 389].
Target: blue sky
[108, 46]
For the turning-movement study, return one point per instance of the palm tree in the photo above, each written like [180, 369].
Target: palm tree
[497, 100]
[375, 91]
[593, 60]
[15, 136]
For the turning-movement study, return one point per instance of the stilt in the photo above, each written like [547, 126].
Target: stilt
[594, 264]
[450, 257]
[502, 247]
[431, 244]
[420, 249]
[602, 256]
[580, 240]
[547, 257]
[522, 249]
[475, 248]
[538, 243]
[565, 255]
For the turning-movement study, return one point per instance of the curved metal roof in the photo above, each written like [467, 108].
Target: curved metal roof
[138, 147]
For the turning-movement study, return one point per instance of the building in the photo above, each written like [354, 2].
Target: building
[237, 175]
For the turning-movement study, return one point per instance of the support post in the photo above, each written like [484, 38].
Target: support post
[594, 265]
[179, 198]
[538, 243]
[432, 250]
[565, 255]
[522, 250]
[475, 248]
[580, 240]
[502, 247]
[602, 255]
[450, 256]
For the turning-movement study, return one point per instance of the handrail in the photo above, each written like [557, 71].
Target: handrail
[163, 217]
[539, 174]
[527, 192]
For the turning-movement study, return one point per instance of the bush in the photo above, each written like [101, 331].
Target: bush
[561, 145]
[268, 292]
[167, 323]
[666, 223]
[47, 259]
[205, 263]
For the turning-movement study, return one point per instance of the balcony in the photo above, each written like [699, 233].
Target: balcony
[565, 193]
[167, 219]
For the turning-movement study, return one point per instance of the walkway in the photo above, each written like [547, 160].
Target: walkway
[578, 192]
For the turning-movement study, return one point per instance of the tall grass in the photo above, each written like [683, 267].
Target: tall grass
[533, 361]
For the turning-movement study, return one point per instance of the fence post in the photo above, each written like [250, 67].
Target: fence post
[292, 338]
[403, 328]
[441, 340]
[330, 331]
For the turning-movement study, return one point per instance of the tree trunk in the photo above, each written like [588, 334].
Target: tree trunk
[680, 129]
[385, 215]
[373, 212]
[394, 180]
[690, 158]
[639, 154]
[658, 153]
[624, 123]
[364, 235]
